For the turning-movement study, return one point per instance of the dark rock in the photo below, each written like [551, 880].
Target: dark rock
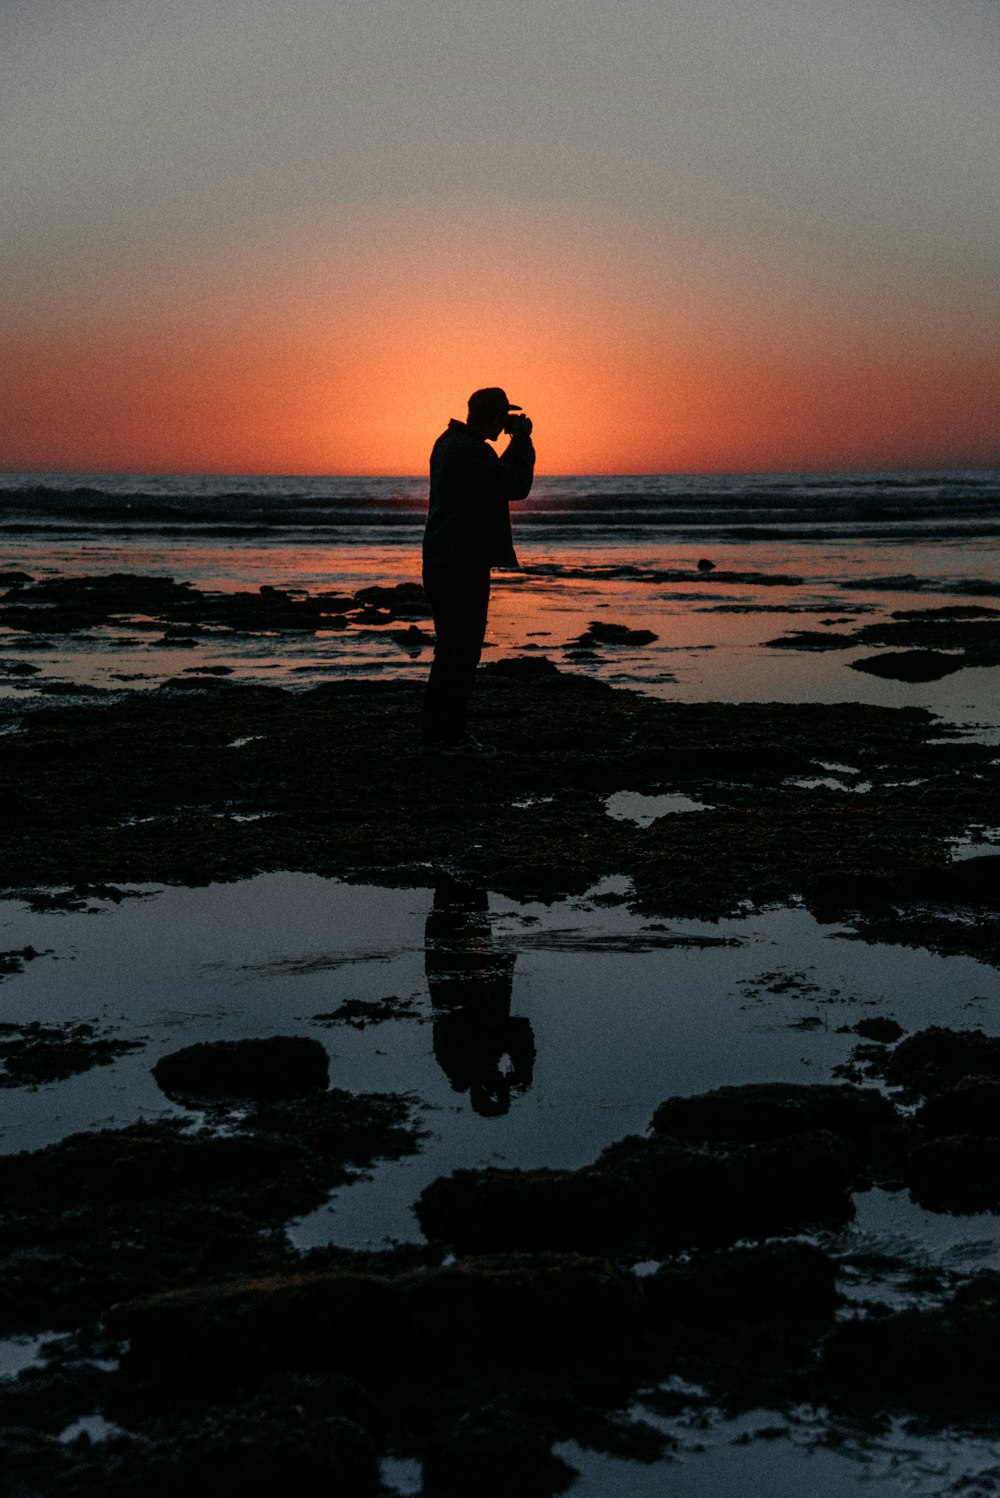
[936, 1058]
[942, 1360]
[972, 1106]
[947, 611]
[978, 639]
[495, 1453]
[909, 665]
[773, 1110]
[30, 1460]
[642, 1194]
[280, 1066]
[832, 894]
[18, 668]
[521, 665]
[13, 960]
[405, 600]
[147, 771]
[745, 1286]
[32, 1053]
[704, 565]
[971, 881]
[956, 1173]
[127, 1212]
[880, 1029]
[261, 1449]
[548, 1311]
[811, 639]
[600, 633]
[968, 881]
[13, 805]
[335, 603]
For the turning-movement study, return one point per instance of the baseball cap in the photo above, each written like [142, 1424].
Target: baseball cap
[490, 399]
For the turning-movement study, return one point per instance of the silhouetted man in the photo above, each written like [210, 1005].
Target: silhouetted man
[468, 533]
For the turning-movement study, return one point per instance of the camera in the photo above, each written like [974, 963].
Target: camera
[517, 422]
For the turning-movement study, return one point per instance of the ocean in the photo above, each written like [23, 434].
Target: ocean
[723, 507]
[717, 567]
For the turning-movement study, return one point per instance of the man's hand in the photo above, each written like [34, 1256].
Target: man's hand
[520, 426]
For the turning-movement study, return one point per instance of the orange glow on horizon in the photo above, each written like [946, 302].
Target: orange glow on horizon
[298, 359]
[248, 410]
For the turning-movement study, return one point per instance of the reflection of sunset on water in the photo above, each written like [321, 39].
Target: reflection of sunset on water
[712, 634]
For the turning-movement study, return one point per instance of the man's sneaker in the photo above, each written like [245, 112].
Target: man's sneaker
[468, 748]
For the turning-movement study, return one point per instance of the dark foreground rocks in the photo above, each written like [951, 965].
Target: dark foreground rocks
[476, 1369]
[644, 1196]
[65, 605]
[954, 1165]
[119, 1212]
[223, 1360]
[941, 1360]
[207, 780]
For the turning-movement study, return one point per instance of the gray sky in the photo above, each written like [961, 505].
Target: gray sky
[849, 146]
[865, 128]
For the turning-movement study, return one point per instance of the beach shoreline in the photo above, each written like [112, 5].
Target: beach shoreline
[850, 812]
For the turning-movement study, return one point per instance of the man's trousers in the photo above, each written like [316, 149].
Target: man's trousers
[459, 598]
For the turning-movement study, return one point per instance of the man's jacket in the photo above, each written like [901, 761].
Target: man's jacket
[468, 523]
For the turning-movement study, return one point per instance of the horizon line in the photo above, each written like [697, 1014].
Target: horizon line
[222, 473]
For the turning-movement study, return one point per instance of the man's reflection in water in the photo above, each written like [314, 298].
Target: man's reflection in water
[480, 1046]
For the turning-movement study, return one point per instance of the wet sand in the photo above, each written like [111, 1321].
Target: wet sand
[588, 1278]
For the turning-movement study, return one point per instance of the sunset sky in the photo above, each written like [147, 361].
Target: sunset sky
[291, 236]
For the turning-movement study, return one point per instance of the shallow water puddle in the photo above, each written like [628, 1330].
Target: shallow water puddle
[633, 806]
[17, 1353]
[978, 841]
[827, 783]
[767, 1452]
[530, 1034]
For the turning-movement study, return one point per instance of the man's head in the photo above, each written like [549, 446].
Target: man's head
[488, 411]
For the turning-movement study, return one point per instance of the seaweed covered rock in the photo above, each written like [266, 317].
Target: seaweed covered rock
[774, 1110]
[262, 1449]
[942, 1359]
[495, 1453]
[745, 1322]
[880, 1028]
[937, 1058]
[546, 1311]
[124, 1212]
[909, 665]
[972, 1106]
[32, 1054]
[956, 1173]
[643, 1194]
[745, 1286]
[403, 600]
[599, 632]
[279, 1066]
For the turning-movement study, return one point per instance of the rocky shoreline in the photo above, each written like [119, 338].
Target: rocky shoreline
[222, 1358]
